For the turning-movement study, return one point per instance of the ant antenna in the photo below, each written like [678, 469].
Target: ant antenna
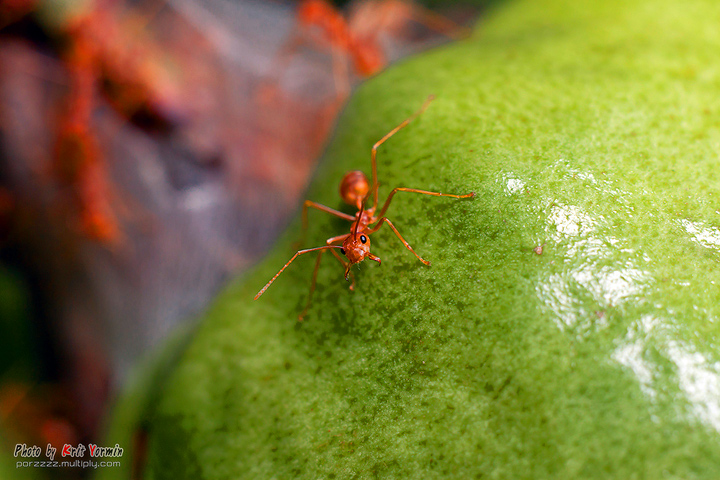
[300, 252]
[362, 209]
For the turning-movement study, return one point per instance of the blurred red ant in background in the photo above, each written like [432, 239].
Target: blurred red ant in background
[100, 54]
[77, 166]
[355, 38]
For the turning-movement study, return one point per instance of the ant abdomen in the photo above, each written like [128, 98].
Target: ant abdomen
[354, 187]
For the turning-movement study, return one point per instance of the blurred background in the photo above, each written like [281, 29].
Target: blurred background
[149, 151]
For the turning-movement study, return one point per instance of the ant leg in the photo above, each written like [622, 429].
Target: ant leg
[329, 241]
[339, 238]
[392, 132]
[407, 245]
[345, 266]
[425, 192]
[297, 254]
[434, 21]
[322, 208]
[312, 287]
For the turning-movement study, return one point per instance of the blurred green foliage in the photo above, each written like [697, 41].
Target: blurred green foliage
[18, 346]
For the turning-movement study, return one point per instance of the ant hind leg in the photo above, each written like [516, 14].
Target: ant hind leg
[373, 152]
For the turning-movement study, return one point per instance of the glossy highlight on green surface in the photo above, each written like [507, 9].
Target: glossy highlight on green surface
[591, 130]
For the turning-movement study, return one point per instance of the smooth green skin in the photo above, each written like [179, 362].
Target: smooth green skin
[593, 130]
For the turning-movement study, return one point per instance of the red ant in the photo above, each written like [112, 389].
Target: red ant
[77, 159]
[97, 56]
[332, 27]
[355, 190]
[355, 38]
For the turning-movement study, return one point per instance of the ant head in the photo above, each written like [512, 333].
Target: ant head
[356, 248]
[354, 187]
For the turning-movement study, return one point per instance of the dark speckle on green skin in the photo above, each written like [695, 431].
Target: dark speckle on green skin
[590, 129]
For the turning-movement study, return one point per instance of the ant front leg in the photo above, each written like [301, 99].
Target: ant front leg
[413, 190]
[345, 267]
[407, 245]
[297, 254]
[313, 282]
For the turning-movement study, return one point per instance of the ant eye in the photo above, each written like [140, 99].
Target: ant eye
[363, 238]
[342, 250]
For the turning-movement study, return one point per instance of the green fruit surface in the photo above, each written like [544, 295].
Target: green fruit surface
[590, 129]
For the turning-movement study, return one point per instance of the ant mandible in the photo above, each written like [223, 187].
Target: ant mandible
[355, 190]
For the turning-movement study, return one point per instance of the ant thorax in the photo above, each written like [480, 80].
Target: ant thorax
[363, 218]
